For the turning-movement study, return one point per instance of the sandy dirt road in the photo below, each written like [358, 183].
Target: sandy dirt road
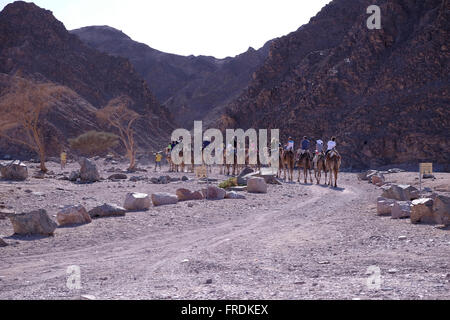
[295, 242]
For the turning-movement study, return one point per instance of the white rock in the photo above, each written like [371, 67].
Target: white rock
[137, 202]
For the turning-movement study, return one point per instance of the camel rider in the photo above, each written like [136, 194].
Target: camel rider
[331, 145]
[305, 144]
[290, 145]
[319, 146]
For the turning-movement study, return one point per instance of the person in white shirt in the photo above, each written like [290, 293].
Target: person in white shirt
[290, 144]
[331, 144]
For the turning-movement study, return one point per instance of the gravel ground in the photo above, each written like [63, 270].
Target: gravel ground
[295, 242]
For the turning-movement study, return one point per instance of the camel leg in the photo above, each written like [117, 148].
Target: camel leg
[335, 178]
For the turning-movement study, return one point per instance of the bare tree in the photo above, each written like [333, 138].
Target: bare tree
[22, 107]
[118, 115]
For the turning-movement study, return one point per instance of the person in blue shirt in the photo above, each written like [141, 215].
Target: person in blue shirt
[305, 143]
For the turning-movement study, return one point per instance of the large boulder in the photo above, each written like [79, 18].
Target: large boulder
[441, 209]
[35, 222]
[401, 209]
[400, 192]
[163, 198]
[88, 170]
[240, 179]
[214, 193]
[137, 202]
[188, 195]
[16, 171]
[422, 211]
[256, 185]
[72, 215]
[384, 206]
[107, 210]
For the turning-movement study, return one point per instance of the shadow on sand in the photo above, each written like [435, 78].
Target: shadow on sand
[27, 237]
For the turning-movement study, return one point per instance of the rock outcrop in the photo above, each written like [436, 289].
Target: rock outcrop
[383, 93]
[192, 88]
[36, 46]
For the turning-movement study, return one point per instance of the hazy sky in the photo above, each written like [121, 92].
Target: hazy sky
[198, 27]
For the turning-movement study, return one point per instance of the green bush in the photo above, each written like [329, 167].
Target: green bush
[232, 182]
[94, 143]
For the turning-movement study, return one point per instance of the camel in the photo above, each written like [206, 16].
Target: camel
[288, 162]
[319, 165]
[169, 160]
[332, 164]
[304, 161]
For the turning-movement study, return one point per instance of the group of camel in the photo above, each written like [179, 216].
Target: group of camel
[327, 162]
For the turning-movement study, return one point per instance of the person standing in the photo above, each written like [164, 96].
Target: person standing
[158, 159]
[63, 159]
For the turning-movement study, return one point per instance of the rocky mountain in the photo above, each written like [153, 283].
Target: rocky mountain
[35, 45]
[192, 88]
[383, 93]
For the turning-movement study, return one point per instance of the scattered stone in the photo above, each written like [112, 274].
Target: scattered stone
[214, 193]
[208, 281]
[137, 202]
[164, 179]
[400, 192]
[422, 211]
[88, 171]
[2, 243]
[188, 195]
[366, 174]
[392, 271]
[377, 179]
[256, 185]
[238, 189]
[35, 222]
[428, 176]
[184, 178]
[402, 238]
[234, 195]
[118, 176]
[136, 178]
[72, 215]
[74, 176]
[401, 209]
[384, 206]
[107, 210]
[162, 198]
[87, 297]
[15, 171]
[154, 180]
